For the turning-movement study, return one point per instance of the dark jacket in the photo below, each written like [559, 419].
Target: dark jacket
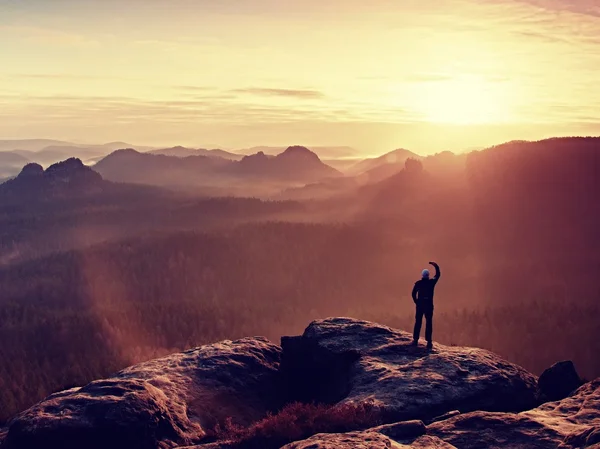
[424, 288]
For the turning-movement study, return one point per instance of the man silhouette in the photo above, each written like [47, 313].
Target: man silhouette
[422, 295]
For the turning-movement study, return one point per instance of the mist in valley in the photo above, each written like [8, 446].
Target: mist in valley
[144, 253]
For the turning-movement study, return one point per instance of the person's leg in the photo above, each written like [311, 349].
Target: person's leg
[418, 324]
[429, 325]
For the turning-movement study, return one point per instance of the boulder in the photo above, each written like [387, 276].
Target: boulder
[342, 360]
[558, 381]
[161, 403]
[571, 423]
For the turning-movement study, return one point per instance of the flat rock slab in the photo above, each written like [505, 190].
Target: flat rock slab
[356, 361]
[573, 422]
[161, 403]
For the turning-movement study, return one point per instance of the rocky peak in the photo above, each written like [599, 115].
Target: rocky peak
[72, 170]
[68, 177]
[123, 152]
[298, 152]
[67, 167]
[352, 361]
[259, 162]
[31, 170]
[260, 156]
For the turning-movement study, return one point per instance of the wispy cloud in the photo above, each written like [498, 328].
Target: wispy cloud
[112, 109]
[548, 38]
[584, 7]
[194, 89]
[61, 76]
[292, 93]
[48, 36]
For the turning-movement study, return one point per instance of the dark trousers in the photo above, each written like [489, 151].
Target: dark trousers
[427, 310]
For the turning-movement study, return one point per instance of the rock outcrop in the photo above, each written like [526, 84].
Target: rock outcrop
[31, 170]
[345, 360]
[161, 403]
[571, 423]
[295, 163]
[365, 440]
[558, 381]
[470, 397]
[66, 178]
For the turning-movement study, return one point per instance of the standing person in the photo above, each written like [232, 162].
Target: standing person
[422, 295]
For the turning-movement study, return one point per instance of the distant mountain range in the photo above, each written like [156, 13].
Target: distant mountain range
[47, 152]
[37, 145]
[50, 151]
[267, 171]
[180, 151]
[324, 152]
[294, 166]
[294, 172]
[11, 163]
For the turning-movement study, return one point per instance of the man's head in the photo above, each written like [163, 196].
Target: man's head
[425, 274]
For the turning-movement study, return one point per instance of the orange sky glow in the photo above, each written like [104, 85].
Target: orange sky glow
[377, 75]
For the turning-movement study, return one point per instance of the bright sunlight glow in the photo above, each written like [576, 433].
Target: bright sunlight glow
[462, 100]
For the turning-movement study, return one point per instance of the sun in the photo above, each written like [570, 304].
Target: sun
[461, 100]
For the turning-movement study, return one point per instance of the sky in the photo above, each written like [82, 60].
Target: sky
[376, 75]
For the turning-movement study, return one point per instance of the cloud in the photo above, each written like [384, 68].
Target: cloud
[291, 93]
[193, 89]
[584, 7]
[548, 38]
[239, 110]
[51, 36]
[61, 76]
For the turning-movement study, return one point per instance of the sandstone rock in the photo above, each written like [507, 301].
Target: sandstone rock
[430, 442]
[365, 440]
[473, 398]
[571, 423]
[160, 403]
[351, 440]
[559, 380]
[445, 416]
[402, 430]
[347, 360]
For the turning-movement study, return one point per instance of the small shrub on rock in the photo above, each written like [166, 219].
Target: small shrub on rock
[298, 421]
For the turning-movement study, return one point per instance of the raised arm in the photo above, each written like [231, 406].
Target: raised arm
[437, 270]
